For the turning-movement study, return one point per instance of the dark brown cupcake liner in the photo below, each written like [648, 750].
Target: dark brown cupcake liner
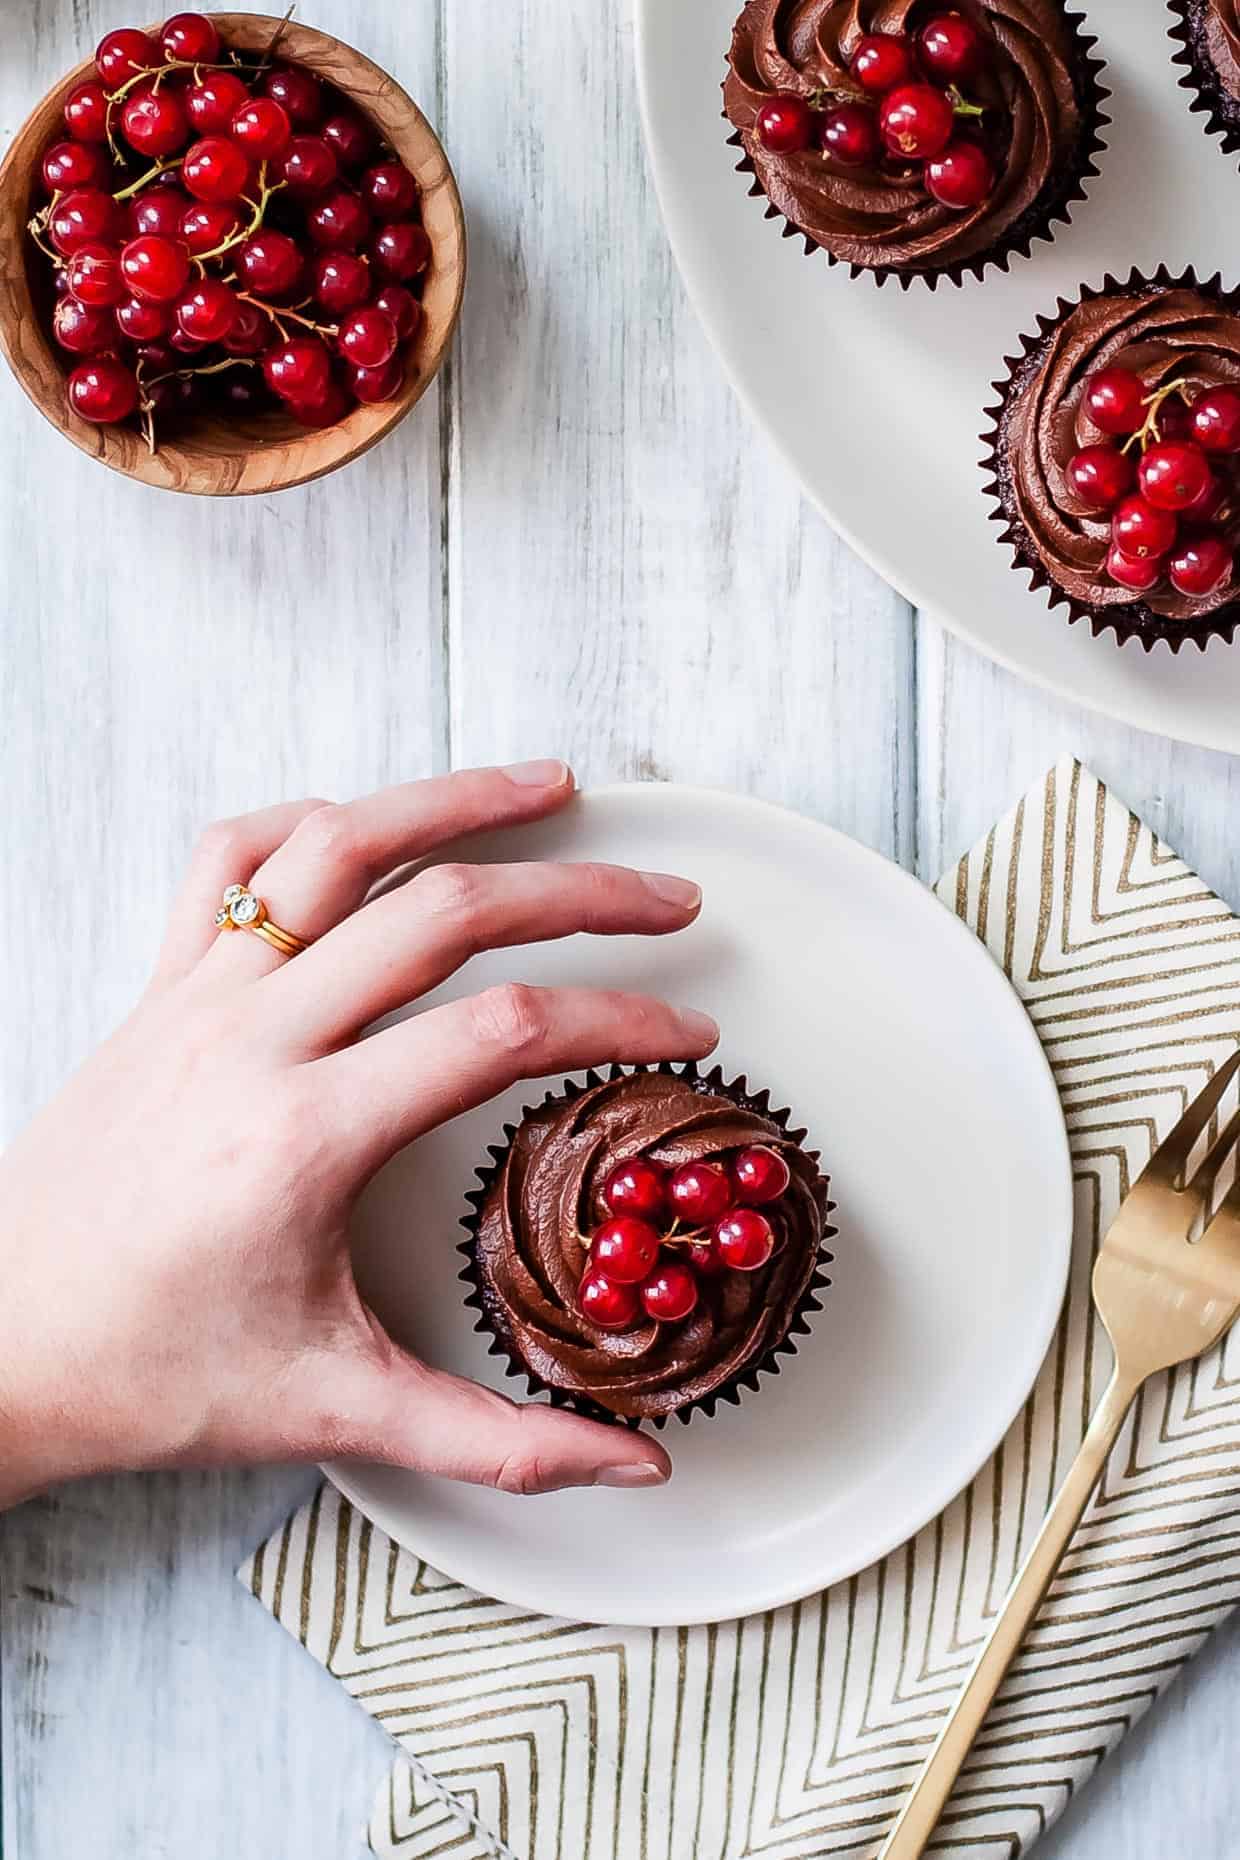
[1200, 78]
[768, 1364]
[1132, 620]
[1052, 207]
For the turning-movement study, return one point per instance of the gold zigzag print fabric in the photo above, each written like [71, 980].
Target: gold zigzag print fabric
[794, 1734]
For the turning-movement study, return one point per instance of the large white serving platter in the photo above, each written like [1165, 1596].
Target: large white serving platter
[847, 988]
[875, 396]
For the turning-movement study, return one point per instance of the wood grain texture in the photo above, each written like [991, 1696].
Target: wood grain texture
[577, 546]
[271, 452]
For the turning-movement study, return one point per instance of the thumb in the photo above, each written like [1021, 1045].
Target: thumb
[402, 1413]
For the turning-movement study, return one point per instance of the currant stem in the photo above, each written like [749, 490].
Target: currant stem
[258, 211]
[961, 105]
[144, 180]
[280, 315]
[1149, 430]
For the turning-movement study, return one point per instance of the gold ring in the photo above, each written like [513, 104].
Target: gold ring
[241, 910]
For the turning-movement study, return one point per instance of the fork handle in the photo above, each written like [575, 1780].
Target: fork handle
[921, 1812]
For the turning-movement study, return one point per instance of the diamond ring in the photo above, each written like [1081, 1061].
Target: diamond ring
[241, 910]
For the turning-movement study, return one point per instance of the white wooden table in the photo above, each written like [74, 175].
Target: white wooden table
[576, 546]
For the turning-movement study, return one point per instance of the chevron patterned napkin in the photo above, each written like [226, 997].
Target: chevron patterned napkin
[795, 1734]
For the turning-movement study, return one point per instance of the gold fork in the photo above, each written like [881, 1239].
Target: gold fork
[1164, 1299]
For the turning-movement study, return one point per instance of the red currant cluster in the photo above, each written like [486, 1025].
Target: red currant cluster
[708, 1214]
[908, 108]
[210, 217]
[1171, 512]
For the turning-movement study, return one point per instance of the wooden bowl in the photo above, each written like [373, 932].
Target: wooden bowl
[270, 452]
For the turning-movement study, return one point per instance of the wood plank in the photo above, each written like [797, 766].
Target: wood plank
[635, 581]
[167, 661]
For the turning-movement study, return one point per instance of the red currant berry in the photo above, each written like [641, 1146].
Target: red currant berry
[122, 54]
[1174, 420]
[403, 308]
[159, 211]
[82, 330]
[250, 334]
[341, 281]
[154, 122]
[351, 141]
[849, 132]
[637, 1187]
[103, 390]
[207, 311]
[699, 1193]
[1115, 400]
[916, 121]
[299, 370]
[881, 60]
[1140, 531]
[261, 127]
[1100, 476]
[308, 167]
[1200, 564]
[189, 39]
[606, 1305]
[705, 1258]
[143, 322]
[212, 104]
[216, 170]
[155, 269]
[670, 1293]
[760, 1175]
[952, 48]
[1138, 573]
[400, 250]
[298, 94]
[339, 222]
[1204, 508]
[270, 263]
[95, 275]
[745, 1239]
[1216, 420]
[86, 113]
[785, 124]
[390, 191]
[328, 410]
[185, 344]
[75, 164]
[83, 216]
[961, 177]
[157, 357]
[625, 1250]
[205, 228]
[367, 338]
[242, 393]
[374, 385]
[1174, 475]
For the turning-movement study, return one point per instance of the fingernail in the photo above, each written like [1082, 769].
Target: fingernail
[644, 1473]
[545, 774]
[699, 1026]
[678, 891]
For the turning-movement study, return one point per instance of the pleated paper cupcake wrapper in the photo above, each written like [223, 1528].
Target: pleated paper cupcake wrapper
[1219, 110]
[1132, 620]
[766, 1364]
[796, 1734]
[1052, 207]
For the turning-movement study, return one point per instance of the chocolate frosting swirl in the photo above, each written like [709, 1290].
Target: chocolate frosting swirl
[1164, 334]
[883, 218]
[529, 1251]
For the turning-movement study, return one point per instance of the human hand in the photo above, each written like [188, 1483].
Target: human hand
[175, 1277]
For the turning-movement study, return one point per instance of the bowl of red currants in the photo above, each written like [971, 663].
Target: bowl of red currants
[232, 254]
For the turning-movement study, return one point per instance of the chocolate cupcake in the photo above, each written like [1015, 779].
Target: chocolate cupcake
[913, 139]
[1114, 458]
[1208, 32]
[647, 1244]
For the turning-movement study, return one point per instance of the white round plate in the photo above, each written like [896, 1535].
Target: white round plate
[875, 396]
[849, 990]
